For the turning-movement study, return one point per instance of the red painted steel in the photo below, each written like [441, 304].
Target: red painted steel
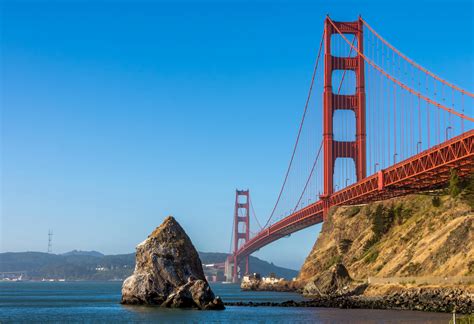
[426, 170]
[429, 169]
[241, 218]
[394, 80]
[355, 150]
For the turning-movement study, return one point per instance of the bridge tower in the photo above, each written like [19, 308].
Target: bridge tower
[241, 232]
[333, 149]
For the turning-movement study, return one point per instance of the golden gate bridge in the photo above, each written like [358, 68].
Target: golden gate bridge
[390, 128]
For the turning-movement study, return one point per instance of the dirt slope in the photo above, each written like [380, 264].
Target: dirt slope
[409, 236]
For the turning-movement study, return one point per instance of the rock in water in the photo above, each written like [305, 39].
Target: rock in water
[168, 272]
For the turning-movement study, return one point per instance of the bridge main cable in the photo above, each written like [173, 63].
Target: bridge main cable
[399, 83]
[299, 131]
[418, 66]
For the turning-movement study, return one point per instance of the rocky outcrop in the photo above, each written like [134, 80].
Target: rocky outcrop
[332, 281]
[194, 294]
[335, 281]
[168, 272]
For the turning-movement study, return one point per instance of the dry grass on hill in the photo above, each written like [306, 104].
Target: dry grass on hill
[409, 236]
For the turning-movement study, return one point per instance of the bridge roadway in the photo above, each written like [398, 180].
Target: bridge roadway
[427, 170]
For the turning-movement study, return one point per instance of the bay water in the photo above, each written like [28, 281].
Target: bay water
[99, 302]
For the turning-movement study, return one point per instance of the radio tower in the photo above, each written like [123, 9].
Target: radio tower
[50, 241]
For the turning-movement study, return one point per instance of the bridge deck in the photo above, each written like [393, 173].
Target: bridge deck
[429, 169]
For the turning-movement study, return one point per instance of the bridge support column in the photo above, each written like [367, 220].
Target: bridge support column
[228, 271]
[380, 181]
[355, 150]
[241, 229]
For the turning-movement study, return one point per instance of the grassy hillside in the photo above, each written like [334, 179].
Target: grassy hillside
[417, 235]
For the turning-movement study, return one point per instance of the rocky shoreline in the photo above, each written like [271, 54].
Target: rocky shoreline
[336, 289]
[420, 299]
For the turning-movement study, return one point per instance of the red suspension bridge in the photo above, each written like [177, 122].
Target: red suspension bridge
[390, 128]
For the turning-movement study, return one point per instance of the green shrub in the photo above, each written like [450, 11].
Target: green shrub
[371, 242]
[382, 220]
[454, 184]
[436, 201]
[470, 267]
[378, 222]
[344, 245]
[371, 257]
[468, 192]
[399, 213]
[354, 210]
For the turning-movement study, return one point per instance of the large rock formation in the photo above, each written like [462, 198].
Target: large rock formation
[168, 272]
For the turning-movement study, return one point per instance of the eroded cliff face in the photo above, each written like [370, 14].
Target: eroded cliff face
[402, 237]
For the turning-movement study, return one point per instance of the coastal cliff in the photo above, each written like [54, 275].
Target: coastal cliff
[403, 237]
[404, 247]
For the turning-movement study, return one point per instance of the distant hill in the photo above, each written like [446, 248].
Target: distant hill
[93, 265]
[79, 252]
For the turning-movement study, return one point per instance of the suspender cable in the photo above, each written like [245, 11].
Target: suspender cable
[416, 64]
[254, 214]
[299, 131]
[399, 83]
[310, 176]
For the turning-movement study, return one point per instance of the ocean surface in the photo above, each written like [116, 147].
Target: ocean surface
[98, 302]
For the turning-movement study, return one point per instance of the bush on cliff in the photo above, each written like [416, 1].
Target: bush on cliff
[371, 257]
[379, 226]
[344, 245]
[352, 211]
[436, 201]
[454, 184]
[382, 220]
[468, 192]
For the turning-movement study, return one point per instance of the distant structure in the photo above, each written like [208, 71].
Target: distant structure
[50, 241]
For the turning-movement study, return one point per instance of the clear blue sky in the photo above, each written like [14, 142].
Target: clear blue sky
[116, 114]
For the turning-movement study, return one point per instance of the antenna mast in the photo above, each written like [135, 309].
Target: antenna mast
[50, 241]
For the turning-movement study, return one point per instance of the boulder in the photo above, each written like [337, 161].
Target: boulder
[334, 281]
[168, 272]
[195, 294]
